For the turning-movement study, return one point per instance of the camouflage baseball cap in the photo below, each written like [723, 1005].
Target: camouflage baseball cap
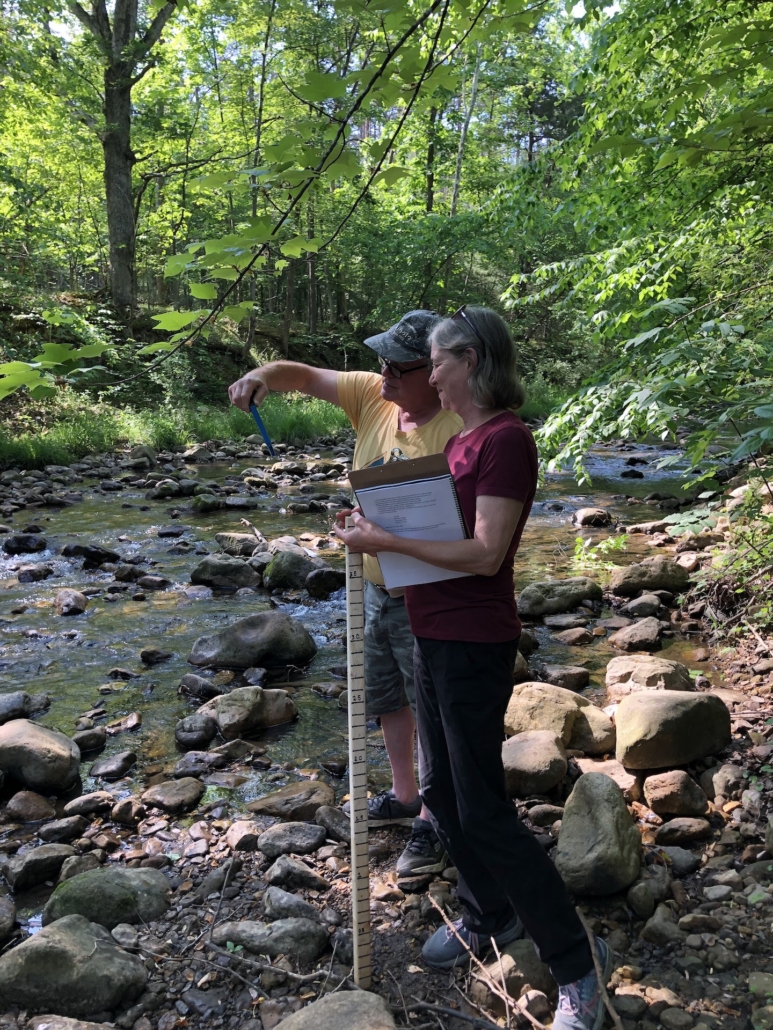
[408, 339]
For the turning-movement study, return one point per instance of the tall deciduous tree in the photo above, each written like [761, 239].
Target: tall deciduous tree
[126, 42]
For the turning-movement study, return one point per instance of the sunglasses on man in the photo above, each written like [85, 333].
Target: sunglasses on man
[396, 371]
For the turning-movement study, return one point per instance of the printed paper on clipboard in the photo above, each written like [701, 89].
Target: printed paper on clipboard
[415, 499]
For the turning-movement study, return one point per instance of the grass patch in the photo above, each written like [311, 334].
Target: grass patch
[81, 429]
[541, 400]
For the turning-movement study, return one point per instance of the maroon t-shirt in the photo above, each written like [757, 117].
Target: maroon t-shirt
[498, 459]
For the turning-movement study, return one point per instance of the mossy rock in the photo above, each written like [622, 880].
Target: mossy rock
[110, 897]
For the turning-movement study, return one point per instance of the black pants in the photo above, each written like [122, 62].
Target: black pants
[462, 692]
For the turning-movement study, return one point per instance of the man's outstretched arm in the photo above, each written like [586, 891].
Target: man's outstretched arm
[283, 377]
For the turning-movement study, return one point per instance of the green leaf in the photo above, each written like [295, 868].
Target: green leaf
[173, 320]
[322, 86]
[294, 248]
[614, 143]
[224, 273]
[203, 291]
[669, 157]
[154, 348]
[389, 176]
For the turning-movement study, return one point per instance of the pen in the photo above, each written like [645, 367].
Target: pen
[263, 432]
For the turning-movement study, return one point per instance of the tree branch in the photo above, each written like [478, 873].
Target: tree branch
[89, 23]
[156, 27]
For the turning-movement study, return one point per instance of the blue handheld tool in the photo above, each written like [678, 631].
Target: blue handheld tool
[263, 432]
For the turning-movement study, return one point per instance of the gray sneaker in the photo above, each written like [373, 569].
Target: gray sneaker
[444, 950]
[580, 1005]
[423, 853]
[385, 810]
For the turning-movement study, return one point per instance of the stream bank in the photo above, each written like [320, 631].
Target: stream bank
[120, 662]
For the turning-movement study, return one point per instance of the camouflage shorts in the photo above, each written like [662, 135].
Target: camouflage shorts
[388, 653]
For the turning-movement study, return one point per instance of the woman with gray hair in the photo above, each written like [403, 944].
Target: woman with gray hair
[467, 633]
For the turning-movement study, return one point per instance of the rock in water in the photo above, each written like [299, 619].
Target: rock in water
[72, 968]
[110, 897]
[36, 866]
[29, 807]
[560, 595]
[70, 602]
[641, 636]
[656, 573]
[599, 847]
[225, 572]
[592, 517]
[241, 545]
[321, 583]
[175, 795]
[92, 554]
[268, 640]
[39, 759]
[628, 673]
[295, 801]
[534, 762]
[358, 1010]
[24, 543]
[195, 732]
[661, 728]
[248, 709]
[8, 917]
[288, 569]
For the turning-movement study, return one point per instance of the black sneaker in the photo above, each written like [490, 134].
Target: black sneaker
[423, 853]
[385, 810]
[444, 950]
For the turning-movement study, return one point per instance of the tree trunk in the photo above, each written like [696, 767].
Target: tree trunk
[119, 160]
[458, 173]
[289, 303]
[430, 203]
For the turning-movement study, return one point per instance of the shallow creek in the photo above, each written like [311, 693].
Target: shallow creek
[70, 657]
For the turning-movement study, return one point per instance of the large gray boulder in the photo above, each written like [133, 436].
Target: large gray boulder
[657, 729]
[248, 709]
[42, 760]
[627, 674]
[71, 968]
[554, 596]
[599, 847]
[111, 896]
[225, 572]
[534, 761]
[657, 573]
[643, 635]
[300, 939]
[355, 1010]
[579, 724]
[266, 640]
[21, 705]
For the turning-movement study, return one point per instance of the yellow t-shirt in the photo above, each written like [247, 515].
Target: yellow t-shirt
[375, 422]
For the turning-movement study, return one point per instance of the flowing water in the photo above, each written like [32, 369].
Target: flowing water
[71, 657]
